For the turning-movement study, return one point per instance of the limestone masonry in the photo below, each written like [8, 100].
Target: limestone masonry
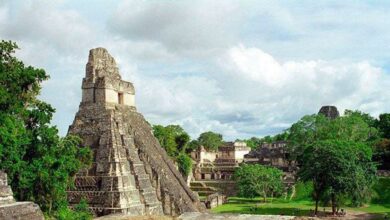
[131, 172]
[10, 209]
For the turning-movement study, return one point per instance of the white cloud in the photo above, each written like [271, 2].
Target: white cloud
[184, 27]
[238, 68]
[43, 22]
[255, 65]
[300, 87]
[254, 94]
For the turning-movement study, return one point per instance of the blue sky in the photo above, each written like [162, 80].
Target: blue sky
[240, 68]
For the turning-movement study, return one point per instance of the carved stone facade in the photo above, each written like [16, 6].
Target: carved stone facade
[10, 209]
[270, 154]
[214, 170]
[131, 172]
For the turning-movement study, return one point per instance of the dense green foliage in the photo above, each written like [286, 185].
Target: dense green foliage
[338, 169]
[335, 155]
[257, 180]
[175, 140]
[255, 142]
[80, 212]
[192, 146]
[384, 124]
[210, 140]
[40, 165]
[382, 148]
[382, 191]
[185, 163]
[382, 154]
[302, 191]
[172, 138]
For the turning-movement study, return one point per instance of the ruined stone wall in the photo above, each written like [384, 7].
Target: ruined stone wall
[239, 154]
[206, 156]
[10, 209]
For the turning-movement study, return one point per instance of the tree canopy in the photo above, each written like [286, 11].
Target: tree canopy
[257, 180]
[175, 140]
[40, 164]
[172, 138]
[384, 124]
[255, 142]
[210, 140]
[338, 169]
[335, 155]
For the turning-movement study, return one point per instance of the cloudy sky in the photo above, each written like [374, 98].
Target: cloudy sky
[240, 68]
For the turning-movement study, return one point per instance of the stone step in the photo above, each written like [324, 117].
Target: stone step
[136, 210]
[6, 200]
[139, 170]
[154, 209]
[21, 210]
[150, 198]
[144, 183]
[148, 190]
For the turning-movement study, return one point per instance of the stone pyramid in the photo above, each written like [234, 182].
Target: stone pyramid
[131, 172]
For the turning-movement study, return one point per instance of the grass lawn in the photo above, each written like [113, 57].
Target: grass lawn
[283, 207]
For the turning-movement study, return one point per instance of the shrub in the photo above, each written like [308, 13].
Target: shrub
[185, 164]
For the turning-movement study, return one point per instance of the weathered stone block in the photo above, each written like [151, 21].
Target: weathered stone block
[9, 209]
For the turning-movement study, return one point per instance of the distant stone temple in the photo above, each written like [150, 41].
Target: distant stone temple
[214, 170]
[10, 209]
[274, 155]
[131, 173]
[270, 154]
[329, 112]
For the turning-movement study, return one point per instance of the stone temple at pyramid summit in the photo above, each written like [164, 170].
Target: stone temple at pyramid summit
[131, 173]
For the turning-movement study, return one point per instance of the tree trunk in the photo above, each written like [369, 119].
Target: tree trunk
[50, 205]
[333, 204]
[316, 209]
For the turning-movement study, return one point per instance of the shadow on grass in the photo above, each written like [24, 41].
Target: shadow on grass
[281, 206]
[235, 200]
[239, 200]
[270, 211]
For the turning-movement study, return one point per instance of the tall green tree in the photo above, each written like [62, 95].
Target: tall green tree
[257, 180]
[192, 146]
[172, 138]
[210, 140]
[335, 155]
[384, 124]
[175, 140]
[338, 169]
[40, 165]
[184, 164]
